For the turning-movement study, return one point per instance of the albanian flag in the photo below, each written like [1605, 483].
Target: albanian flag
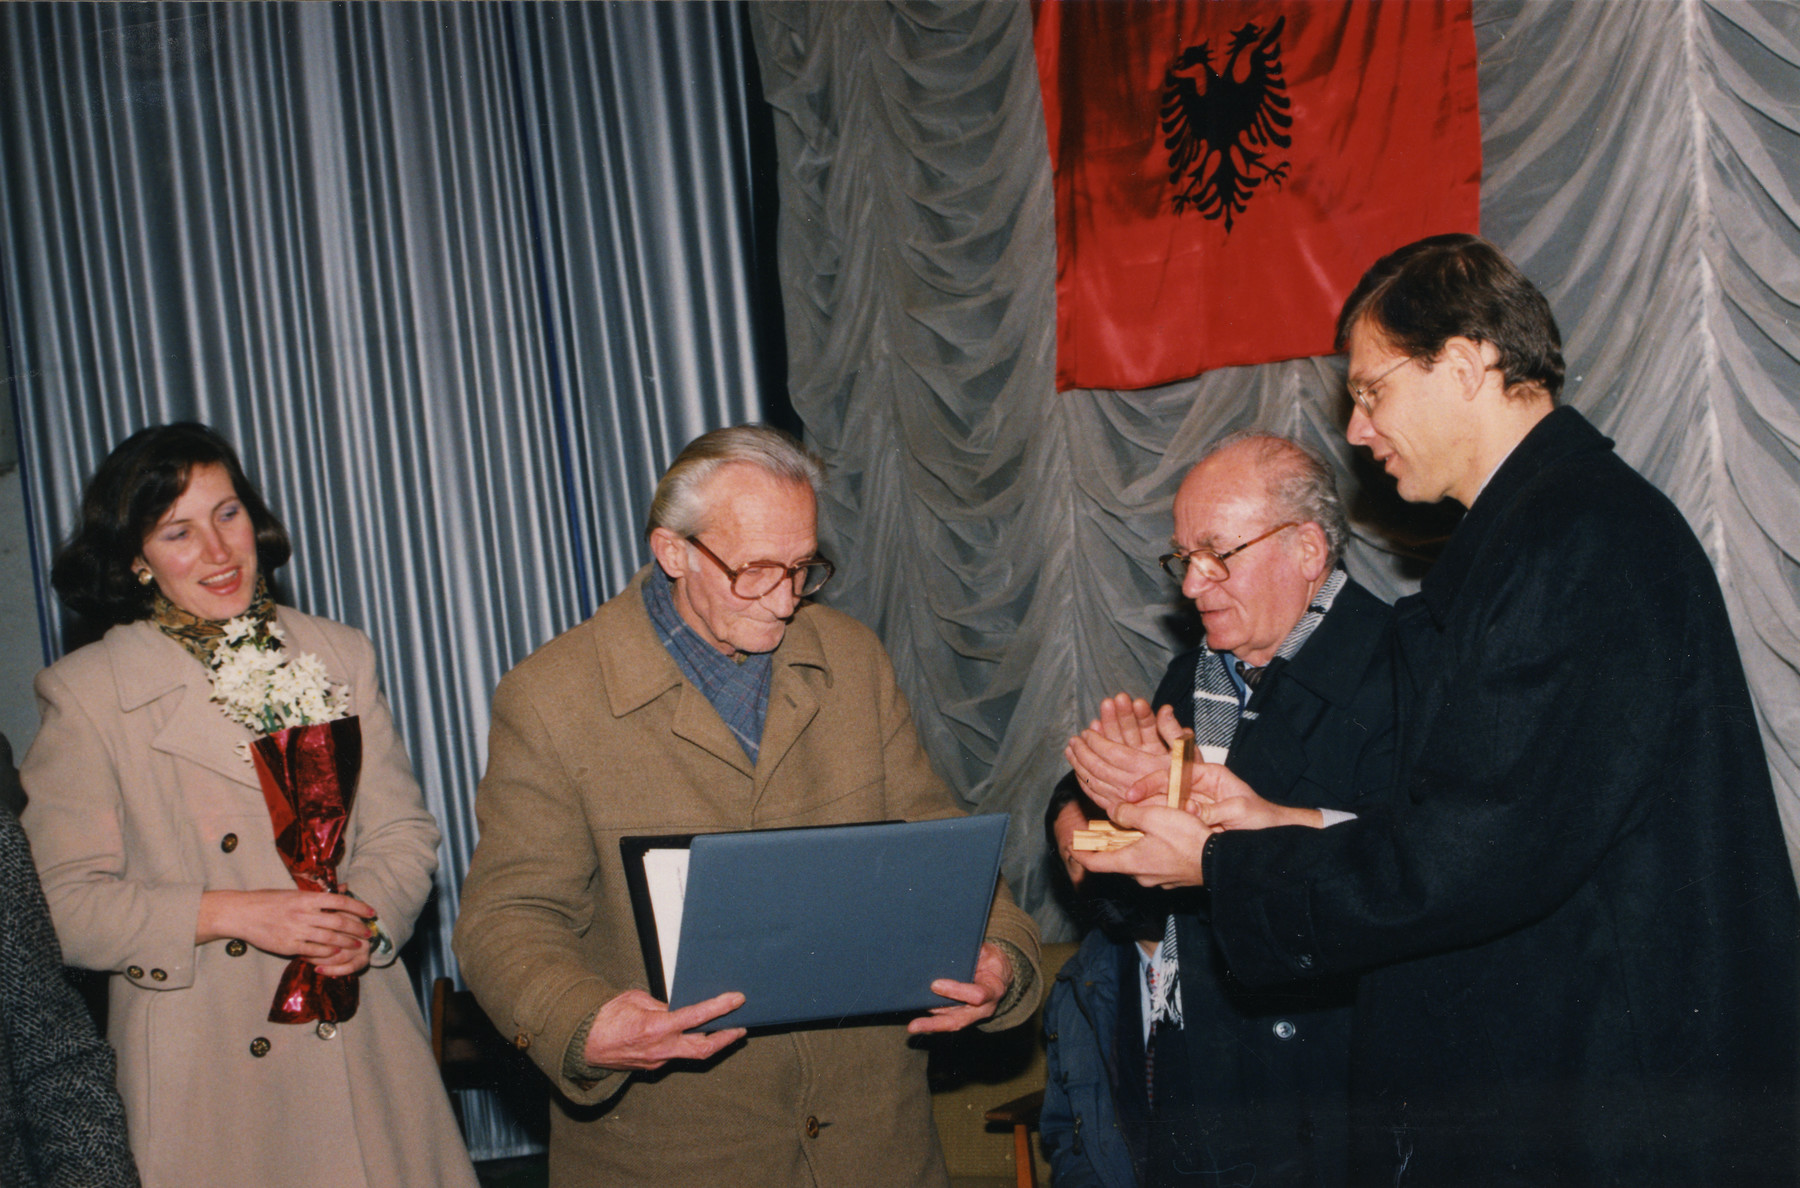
[1226, 170]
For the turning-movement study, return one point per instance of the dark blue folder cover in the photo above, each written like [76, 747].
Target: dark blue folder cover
[836, 922]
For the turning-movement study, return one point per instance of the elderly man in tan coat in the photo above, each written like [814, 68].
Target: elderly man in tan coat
[708, 695]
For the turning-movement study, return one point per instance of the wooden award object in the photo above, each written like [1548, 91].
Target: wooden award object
[1104, 835]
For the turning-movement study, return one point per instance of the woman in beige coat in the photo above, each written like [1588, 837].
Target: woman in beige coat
[158, 857]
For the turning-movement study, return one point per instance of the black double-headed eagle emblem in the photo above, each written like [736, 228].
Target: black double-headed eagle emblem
[1221, 126]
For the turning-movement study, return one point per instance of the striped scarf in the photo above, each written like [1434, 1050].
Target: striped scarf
[1217, 711]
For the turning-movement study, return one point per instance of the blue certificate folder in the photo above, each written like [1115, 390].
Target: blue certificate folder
[825, 923]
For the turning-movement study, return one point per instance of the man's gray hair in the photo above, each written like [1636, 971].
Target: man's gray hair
[680, 504]
[1300, 483]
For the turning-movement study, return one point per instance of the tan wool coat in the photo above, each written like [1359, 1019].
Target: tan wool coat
[138, 802]
[598, 736]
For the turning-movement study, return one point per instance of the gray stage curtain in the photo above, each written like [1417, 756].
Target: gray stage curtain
[1641, 164]
[457, 279]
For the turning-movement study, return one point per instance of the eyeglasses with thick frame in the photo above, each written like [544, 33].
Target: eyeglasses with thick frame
[1212, 565]
[1364, 394]
[757, 579]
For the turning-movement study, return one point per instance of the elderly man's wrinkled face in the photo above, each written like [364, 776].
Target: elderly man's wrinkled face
[1222, 504]
[753, 516]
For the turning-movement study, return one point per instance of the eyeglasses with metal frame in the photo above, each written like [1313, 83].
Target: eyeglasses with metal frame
[757, 579]
[1212, 565]
[1364, 394]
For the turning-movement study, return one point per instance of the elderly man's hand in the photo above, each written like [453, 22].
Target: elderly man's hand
[1168, 855]
[1123, 756]
[975, 1000]
[634, 1031]
[1131, 721]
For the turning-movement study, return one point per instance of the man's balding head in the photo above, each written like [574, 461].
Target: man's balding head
[1252, 486]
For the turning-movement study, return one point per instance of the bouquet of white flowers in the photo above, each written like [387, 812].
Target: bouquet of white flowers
[308, 755]
[264, 688]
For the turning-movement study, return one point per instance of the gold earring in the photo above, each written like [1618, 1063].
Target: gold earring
[145, 577]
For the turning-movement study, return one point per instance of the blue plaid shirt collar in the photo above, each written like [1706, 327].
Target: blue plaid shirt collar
[738, 688]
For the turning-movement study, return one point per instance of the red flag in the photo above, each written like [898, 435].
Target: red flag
[1226, 170]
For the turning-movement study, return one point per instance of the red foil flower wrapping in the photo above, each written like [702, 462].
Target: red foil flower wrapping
[308, 775]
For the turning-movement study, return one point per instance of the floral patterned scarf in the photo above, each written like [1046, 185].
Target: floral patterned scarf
[201, 637]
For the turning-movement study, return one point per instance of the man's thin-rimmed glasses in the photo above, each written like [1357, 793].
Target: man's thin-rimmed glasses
[1364, 394]
[1212, 565]
[755, 579]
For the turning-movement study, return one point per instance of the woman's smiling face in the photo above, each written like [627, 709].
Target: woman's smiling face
[202, 552]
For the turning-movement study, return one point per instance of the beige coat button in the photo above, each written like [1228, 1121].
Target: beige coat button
[259, 1047]
[157, 975]
[235, 948]
[326, 1029]
[521, 1041]
[812, 1126]
[134, 971]
[228, 843]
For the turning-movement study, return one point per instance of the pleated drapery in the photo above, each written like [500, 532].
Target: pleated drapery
[458, 280]
[1641, 164]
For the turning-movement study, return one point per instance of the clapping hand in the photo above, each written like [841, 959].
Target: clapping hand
[1168, 855]
[1123, 755]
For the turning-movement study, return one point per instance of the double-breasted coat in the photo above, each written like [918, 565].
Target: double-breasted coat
[596, 736]
[1578, 923]
[138, 802]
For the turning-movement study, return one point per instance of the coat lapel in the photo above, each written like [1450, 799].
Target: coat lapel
[1271, 752]
[793, 704]
[696, 721]
[1552, 440]
[636, 669]
[152, 668]
[1268, 755]
[1420, 620]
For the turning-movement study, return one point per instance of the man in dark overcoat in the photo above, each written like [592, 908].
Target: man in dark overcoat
[1576, 927]
[1294, 679]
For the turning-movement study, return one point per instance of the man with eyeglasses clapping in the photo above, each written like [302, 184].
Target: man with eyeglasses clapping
[1160, 1062]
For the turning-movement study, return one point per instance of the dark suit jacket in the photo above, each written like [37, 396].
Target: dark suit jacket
[1577, 918]
[1271, 1065]
[61, 1122]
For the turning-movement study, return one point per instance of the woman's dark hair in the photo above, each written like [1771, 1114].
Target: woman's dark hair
[1420, 296]
[122, 503]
